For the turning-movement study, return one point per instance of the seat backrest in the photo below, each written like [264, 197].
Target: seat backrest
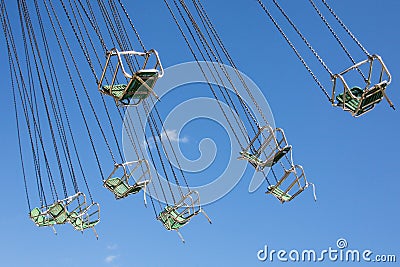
[136, 89]
[76, 221]
[59, 213]
[171, 219]
[40, 219]
[87, 218]
[278, 156]
[279, 193]
[372, 96]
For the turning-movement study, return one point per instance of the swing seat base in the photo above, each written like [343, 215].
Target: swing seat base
[257, 163]
[79, 224]
[122, 189]
[277, 157]
[171, 219]
[253, 159]
[279, 193]
[139, 87]
[59, 213]
[40, 219]
[363, 100]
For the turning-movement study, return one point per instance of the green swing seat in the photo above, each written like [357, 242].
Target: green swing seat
[79, 224]
[363, 101]
[122, 189]
[171, 219]
[279, 193]
[59, 213]
[251, 157]
[256, 161]
[135, 88]
[41, 219]
[277, 157]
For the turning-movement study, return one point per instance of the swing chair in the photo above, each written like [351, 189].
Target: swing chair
[60, 211]
[175, 217]
[360, 100]
[290, 185]
[355, 97]
[139, 84]
[83, 216]
[41, 218]
[123, 187]
[87, 219]
[273, 146]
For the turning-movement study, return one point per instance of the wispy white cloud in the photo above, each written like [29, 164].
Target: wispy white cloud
[173, 136]
[112, 247]
[168, 136]
[110, 258]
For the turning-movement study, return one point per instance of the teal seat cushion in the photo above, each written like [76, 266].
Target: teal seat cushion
[135, 88]
[369, 99]
[79, 224]
[171, 219]
[257, 162]
[120, 188]
[40, 219]
[350, 102]
[59, 213]
[280, 154]
[117, 90]
[76, 221]
[279, 193]
[251, 157]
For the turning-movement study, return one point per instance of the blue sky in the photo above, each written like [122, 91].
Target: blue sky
[352, 161]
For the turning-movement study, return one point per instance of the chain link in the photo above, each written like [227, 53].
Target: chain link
[346, 28]
[295, 50]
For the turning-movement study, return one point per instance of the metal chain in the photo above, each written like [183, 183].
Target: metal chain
[82, 43]
[93, 22]
[142, 125]
[74, 88]
[84, 87]
[132, 25]
[302, 37]
[295, 50]
[337, 38]
[123, 34]
[160, 137]
[11, 66]
[216, 57]
[198, 62]
[154, 136]
[232, 63]
[39, 182]
[170, 143]
[249, 115]
[98, 61]
[54, 99]
[38, 60]
[346, 28]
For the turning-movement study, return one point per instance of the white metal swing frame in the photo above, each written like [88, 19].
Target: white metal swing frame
[81, 209]
[297, 185]
[129, 169]
[182, 212]
[369, 91]
[44, 214]
[158, 68]
[276, 146]
[84, 212]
